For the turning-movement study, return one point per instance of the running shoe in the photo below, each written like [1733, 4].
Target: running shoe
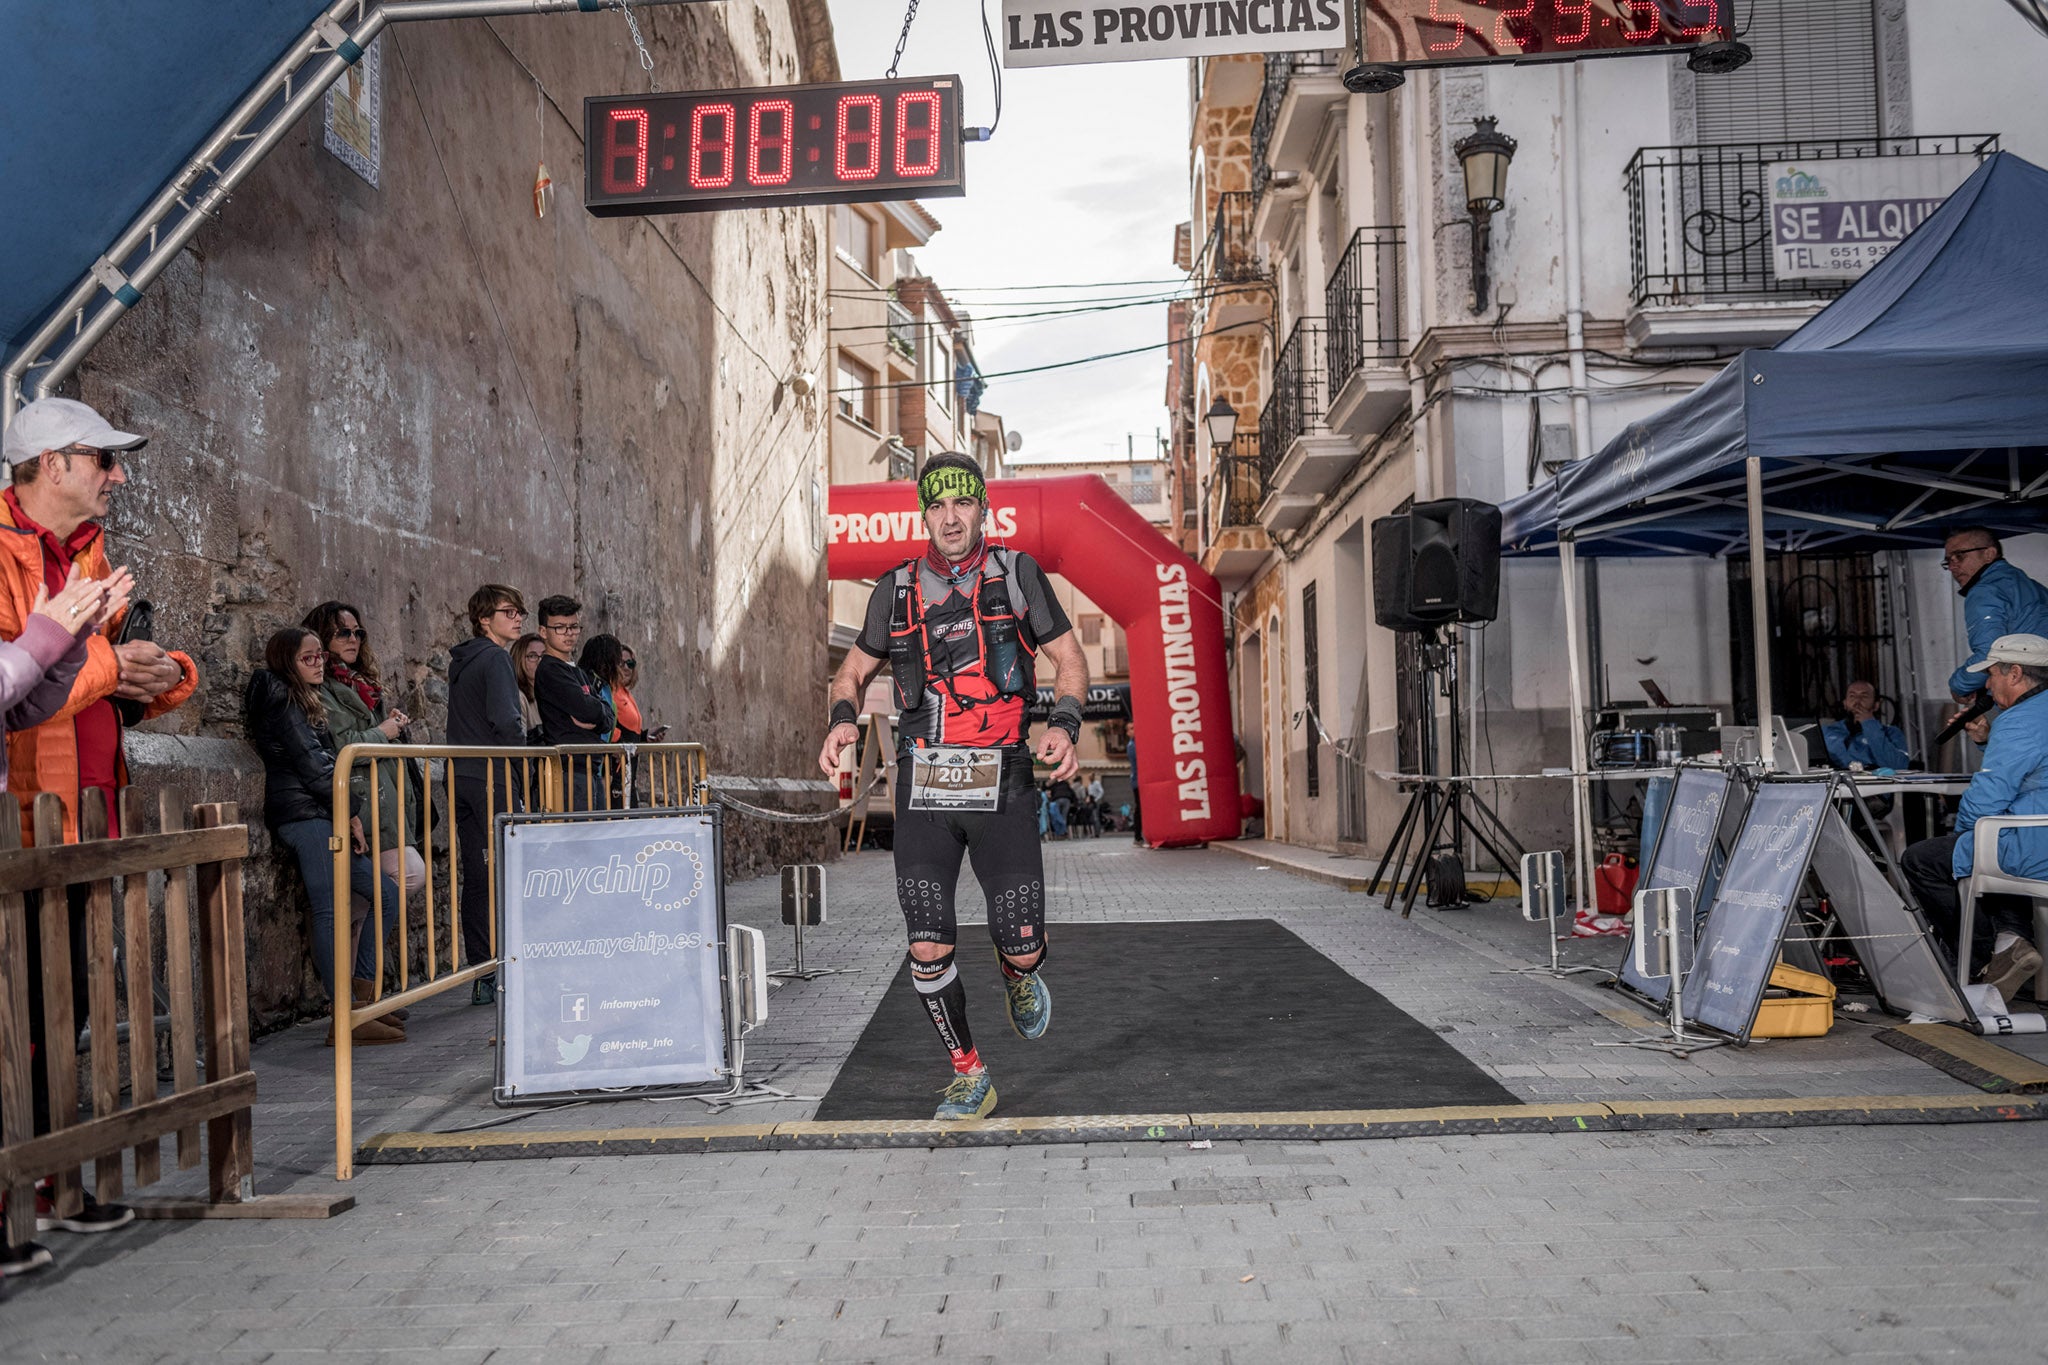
[1029, 1002]
[969, 1097]
[2013, 968]
[21, 1259]
[92, 1216]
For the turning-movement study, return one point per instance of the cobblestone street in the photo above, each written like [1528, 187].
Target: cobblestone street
[1909, 1242]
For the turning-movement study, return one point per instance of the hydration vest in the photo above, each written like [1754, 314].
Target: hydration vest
[973, 657]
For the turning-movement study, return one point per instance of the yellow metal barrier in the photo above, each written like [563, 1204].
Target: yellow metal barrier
[600, 777]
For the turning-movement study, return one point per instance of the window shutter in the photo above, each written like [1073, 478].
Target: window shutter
[1815, 76]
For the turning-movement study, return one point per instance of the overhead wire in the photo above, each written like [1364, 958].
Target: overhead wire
[985, 319]
[1057, 364]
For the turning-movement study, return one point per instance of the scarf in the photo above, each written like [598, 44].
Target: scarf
[372, 695]
[956, 574]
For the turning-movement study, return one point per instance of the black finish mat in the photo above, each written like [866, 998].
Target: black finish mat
[1190, 1016]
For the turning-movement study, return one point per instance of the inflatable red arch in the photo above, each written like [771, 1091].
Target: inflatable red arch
[1169, 608]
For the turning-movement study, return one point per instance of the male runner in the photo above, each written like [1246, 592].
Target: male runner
[959, 628]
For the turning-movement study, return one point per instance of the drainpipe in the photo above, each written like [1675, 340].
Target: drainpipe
[1575, 267]
[1416, 230]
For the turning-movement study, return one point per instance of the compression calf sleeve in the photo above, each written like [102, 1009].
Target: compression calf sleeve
[944, 996]
[1012, 972]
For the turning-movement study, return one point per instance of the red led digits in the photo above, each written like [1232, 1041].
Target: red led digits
[1711, 24]
[1583, 12]
[925, 130]
[1457, 23]
[1503, 35]
[760, 148]
[703, 149]
[632, 151]
[867, 140]
[1648, 14]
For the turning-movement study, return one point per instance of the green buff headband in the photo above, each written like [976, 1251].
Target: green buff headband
[949, 481]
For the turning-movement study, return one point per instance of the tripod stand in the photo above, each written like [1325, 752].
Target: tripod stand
[1444, 815]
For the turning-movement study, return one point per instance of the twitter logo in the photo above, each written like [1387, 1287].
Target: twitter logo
[573, 1050]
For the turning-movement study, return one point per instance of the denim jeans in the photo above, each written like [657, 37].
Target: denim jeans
[308, 840]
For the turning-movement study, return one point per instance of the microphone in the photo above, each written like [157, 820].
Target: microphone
[1975, 709]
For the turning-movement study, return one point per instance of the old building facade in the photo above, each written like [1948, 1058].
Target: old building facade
[1334, 312]
[391, 393]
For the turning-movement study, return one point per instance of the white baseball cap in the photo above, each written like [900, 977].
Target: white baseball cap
[53, 423]
[2030, 650]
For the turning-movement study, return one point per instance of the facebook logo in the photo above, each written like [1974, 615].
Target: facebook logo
[575, 1009]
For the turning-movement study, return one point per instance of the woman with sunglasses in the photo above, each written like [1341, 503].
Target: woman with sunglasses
[287, 722]
[358, 713]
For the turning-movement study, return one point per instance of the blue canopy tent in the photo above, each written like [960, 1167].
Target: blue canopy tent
[1914, 403]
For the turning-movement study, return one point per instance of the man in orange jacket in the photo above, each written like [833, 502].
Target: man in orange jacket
[64, 462]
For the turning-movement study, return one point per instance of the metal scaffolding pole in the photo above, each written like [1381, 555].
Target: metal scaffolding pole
[313, 62]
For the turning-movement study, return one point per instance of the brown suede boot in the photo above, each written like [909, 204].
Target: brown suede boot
[365, 991]
[371, 1033]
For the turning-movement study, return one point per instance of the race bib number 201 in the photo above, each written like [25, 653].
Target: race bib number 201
[950, 778]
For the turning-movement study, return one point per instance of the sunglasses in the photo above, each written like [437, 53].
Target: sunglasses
[631, 663]
[106, 459]
[353, 634]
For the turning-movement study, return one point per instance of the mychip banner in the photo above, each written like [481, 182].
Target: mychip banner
[1746, 923]
[1683, 856]
[1052, 33]
[610, 931]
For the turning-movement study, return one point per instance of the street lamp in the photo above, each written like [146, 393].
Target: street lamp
[1484, 155]
[1222, 420]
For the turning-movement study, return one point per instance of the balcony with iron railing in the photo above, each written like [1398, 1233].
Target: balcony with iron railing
[1231, 256]
[1306, 458]
[1368, 381]
[1277, 125]
[1231, 279]
[902, 331]
[1233, 544]
[1700, 236]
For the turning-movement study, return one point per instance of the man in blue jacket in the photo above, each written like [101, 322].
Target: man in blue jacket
[1860, 737]
[2013, 781]
[1997, 600]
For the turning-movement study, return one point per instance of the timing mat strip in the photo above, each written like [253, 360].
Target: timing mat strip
[399, 1149]
[1969, 1058]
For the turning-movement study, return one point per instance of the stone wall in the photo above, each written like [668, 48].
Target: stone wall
[389, 395]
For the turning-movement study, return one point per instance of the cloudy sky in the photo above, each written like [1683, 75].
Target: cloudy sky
[1082, 186]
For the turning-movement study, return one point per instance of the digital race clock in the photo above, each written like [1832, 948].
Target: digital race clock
[784, 144]
[1465, 32]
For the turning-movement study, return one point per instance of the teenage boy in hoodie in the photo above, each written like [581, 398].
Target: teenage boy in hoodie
[483, 709]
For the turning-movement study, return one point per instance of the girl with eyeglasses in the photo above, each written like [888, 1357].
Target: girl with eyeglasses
[286, 717]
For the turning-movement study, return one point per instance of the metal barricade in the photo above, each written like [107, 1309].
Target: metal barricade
[569, 778]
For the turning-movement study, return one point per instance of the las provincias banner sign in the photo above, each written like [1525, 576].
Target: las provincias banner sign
[1051, 33]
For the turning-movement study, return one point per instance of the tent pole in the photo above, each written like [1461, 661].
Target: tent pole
[1582, 818]
[1760, 614]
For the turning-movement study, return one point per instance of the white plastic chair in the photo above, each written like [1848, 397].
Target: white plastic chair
[1988, 878]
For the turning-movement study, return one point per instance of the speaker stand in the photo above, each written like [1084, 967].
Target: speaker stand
[1443, 813]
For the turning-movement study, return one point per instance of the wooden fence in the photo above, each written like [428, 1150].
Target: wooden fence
[185, 977]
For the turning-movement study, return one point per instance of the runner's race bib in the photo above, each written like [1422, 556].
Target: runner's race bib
[950, 778]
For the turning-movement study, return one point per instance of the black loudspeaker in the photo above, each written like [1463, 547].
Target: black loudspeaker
[1436, 564]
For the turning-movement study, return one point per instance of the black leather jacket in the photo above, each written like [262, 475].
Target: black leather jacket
[298, 756]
